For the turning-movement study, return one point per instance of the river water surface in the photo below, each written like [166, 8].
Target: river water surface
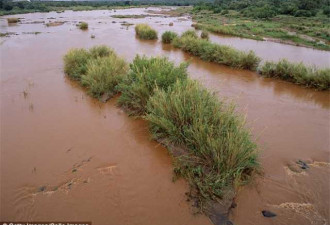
[66, 156]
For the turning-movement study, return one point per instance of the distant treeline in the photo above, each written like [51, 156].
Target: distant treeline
[44, 6]
[268, 8]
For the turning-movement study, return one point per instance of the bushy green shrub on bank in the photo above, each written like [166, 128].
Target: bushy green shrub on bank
[144, 76]
[144, 31]
[168, 37]
[298, 73]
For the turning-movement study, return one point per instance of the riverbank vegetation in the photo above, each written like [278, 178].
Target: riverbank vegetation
[208, 140]
[98, 69]
[13, 20]
[297, 73]
[144, 31]
[221, 54]
[304, 23]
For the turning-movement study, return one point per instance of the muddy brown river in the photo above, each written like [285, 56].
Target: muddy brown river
[66, 156]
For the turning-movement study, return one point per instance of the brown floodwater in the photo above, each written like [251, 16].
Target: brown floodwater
[66, 156]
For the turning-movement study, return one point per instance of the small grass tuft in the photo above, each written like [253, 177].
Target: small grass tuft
[205, 35]
[144, 76]
[168, 37]
[83, 26]
[297, 73]
[144, 31]
[13, 20]
[189, 33]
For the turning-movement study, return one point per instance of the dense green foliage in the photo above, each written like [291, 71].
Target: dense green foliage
[168, 37]
[298, 73]
[99, 69]
[205, 35]
[144, 76]
[9, 7]
[267, 8]
[144, 31]
[216, 152]
[212, 52]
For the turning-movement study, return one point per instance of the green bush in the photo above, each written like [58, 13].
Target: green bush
[297, 73]
[144, 76]
[83, 26]
[205, 35]
[144, 31]
[168, 37]
[103, 75]
[209, 141]
[75, 61]
[220, 54]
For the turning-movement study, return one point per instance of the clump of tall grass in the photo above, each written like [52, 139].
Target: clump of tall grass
[220, 54]
[83, 26]
[216, 152]
[13, 20]
[168, 37]
[297, 73]
[98, 69]
[189, 33]
[76, 60]
[103, 75]
[205, 35]
[146, 74]
[144, 31]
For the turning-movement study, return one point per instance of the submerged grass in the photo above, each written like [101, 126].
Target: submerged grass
[221, 54]
[144, 31]
[99, 69]
[297, 73]
[216, 151]
[144, 76]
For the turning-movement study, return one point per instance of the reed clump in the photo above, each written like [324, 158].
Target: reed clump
[145, 74]
[297, 73]
[213, 150]
[220, 54]
[83, 26]
[168, 37]
[98, 69]
[205, 35]
[144, 31]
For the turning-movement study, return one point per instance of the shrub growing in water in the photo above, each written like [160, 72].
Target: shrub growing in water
[144, 31]
[144, 76]
[104, 74]
[217, 152]
[168, 37]
[83, 26]
[75, 61]
[189, 33]
[297, 73]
